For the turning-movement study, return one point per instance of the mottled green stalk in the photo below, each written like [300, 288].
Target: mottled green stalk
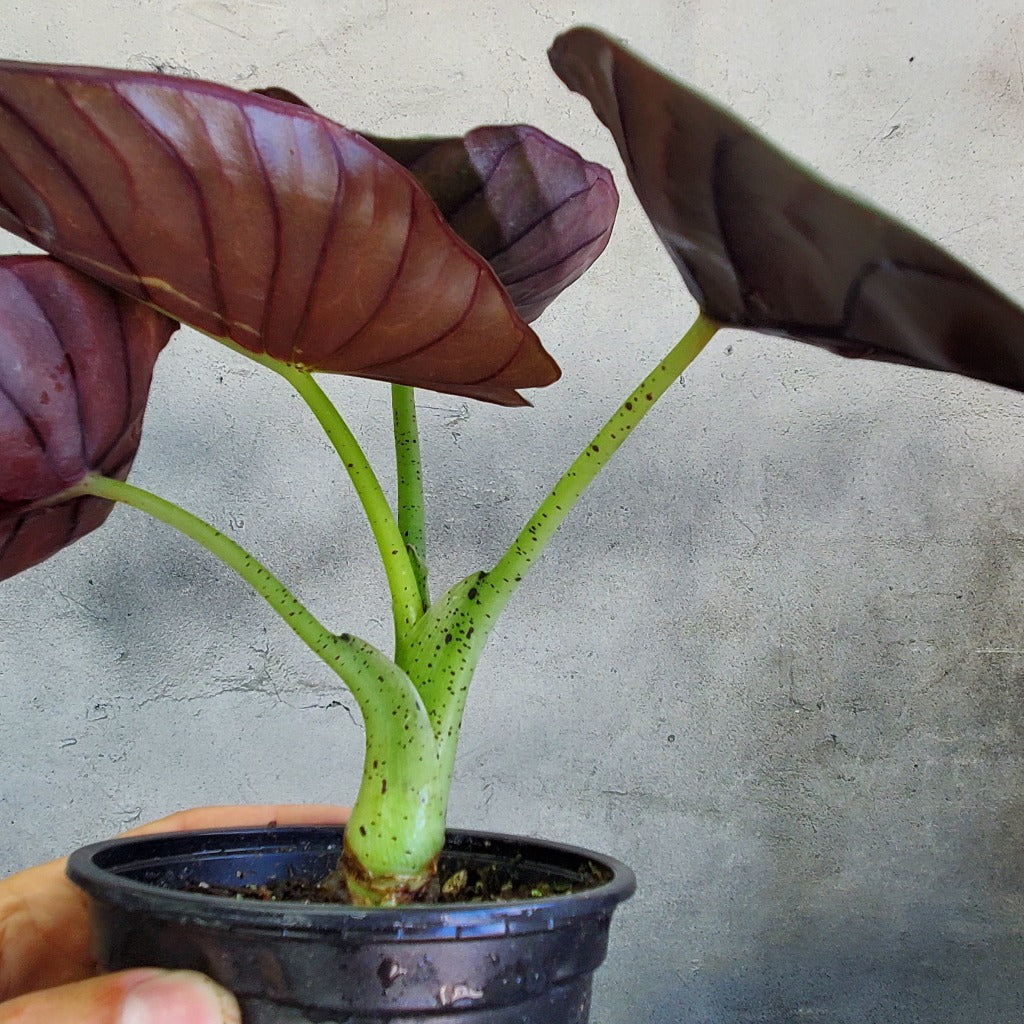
[397, 825]
[448, 641]
[533, 538]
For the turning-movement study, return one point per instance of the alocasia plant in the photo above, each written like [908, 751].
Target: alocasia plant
[305, 247]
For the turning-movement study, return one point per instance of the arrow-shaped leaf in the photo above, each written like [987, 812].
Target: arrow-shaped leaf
[257, 221]
[76, 360]
[765, 244]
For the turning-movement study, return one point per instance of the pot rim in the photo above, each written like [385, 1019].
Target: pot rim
[98, 869]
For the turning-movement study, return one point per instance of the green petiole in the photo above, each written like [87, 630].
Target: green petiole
[409, 474]
[449, 640]
[404, 574]
[533, 538]
[350, 658]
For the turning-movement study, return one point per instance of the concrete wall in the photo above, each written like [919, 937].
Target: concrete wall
[775, 659]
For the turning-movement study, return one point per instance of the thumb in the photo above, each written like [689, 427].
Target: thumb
[131, 997]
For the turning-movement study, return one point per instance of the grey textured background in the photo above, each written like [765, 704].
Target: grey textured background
[774, 661]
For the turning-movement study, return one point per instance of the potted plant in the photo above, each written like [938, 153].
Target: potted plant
[189, 201]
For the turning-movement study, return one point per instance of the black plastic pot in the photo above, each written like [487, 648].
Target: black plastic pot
[524, 962]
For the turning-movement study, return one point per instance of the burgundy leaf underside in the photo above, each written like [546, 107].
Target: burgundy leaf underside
[76, 361]
[764, 244]
[257, 221]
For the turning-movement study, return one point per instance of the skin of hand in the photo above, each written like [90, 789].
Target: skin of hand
[47, 971]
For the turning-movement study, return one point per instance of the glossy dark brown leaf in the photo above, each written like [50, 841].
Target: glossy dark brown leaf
[763, 243]
[76, 360]
[258, 221]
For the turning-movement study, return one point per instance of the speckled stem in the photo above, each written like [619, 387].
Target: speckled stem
[398, 820]
[449, 640]
[502, 580]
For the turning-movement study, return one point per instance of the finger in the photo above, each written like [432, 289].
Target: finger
[131, 997]
[44, 920]
[265, 815]
[44, 931]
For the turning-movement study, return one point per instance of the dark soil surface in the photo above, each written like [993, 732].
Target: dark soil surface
[456, 883]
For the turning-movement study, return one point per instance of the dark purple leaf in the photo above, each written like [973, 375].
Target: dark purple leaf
[764, 244]
[76, 360]
[258, 221]
[533, 208]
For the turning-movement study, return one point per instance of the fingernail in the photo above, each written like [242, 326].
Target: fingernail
[179, 997]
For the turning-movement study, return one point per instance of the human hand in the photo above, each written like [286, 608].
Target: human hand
[47, 971]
